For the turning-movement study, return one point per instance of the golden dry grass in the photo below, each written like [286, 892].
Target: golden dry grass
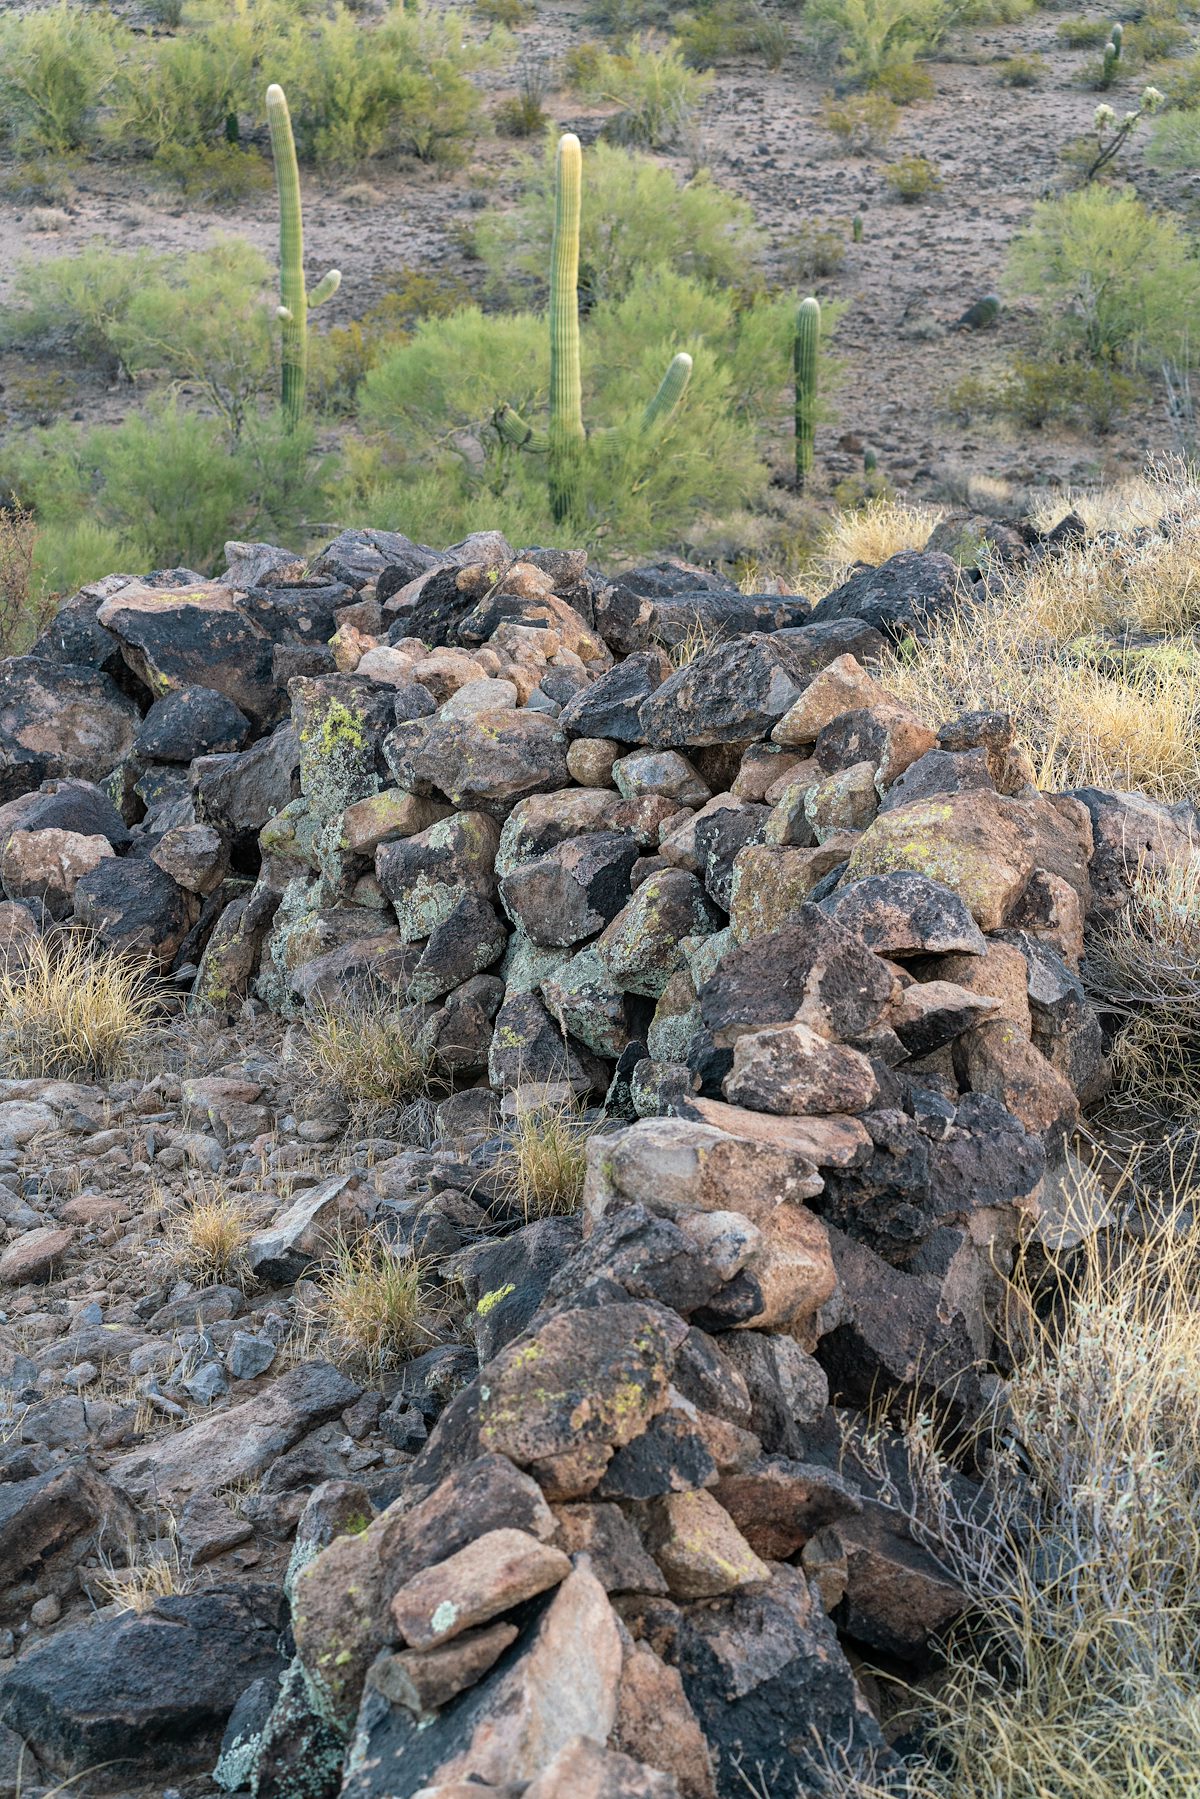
[377, 1309]
[73, 1011]
[1088, 715]
[540, 1171]
[1078, 1675]
[369, 1056]
[871, 533]
[206, 1239]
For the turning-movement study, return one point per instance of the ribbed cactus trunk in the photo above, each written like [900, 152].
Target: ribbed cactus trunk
[293, 300]
[566, 385]
[808, 335]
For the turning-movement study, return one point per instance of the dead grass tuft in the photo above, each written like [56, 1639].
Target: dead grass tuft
[206, 1239]
[1143, 971]
[370, 1057]
[377, 1307]
[149, 1572]
[71, 1011]
[540, 1171]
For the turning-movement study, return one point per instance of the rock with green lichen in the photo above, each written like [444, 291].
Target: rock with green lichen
[970, 842]
[426, 875]
[640, 948]
[487, 762]
[340, 723]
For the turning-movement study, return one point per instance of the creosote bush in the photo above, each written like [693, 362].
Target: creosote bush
[655, 89]
[57, 65]
[72, 1011]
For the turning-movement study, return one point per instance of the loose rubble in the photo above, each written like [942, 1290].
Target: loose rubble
[809, 968]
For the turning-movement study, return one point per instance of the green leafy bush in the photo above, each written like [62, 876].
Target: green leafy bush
[170, 486]
[438, 463]
[341, 358]
[66, 556]
[1083, 33]
[1113, 280]
[906, 83]
[403, 86]
[876, 35]
[637, 216]
[202, 318]
[56, 68]
[184, 92]
[1037, 391]
[1175, 143]
[222, 174]
[1023, 71]
[655, 89]
[814, 253]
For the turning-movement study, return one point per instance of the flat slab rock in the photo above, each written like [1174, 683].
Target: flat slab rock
[239, 1444]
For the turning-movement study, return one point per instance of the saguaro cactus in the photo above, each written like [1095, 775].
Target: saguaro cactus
[804, 356]
[564, 442]
[566, 381]
[294, 297]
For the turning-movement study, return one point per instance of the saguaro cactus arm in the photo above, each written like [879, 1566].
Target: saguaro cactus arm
[294, 299]
[808, 335]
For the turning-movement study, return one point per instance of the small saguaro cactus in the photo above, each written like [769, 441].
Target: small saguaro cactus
[294, 297]
[564, 442]
[804, 349]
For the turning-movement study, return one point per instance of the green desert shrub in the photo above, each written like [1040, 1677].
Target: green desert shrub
[341, 358]
[56, 68]
[223, 174]
[188, 91]
[873, 36]
[1113, 281]
[1023, 71]
[1081, 33]
[911, 178]
[656, 91]
[168, 487]
[203, 318]
[861, 121]
[437, 461]
[637, 216]
[905, 83]
[402, 87]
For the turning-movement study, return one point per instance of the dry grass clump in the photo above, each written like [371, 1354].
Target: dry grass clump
[206, 1240]
[541, 1169]
[377, 1307]
[149, 1572]
[1088, 714]
[72, 1011]
[871, 533]
[1143, 970]
[367, 1052]
[1079, 1672]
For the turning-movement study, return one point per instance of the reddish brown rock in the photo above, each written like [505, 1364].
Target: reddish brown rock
[700, 1549]
[488, 1577]
[32, 1256]
[655, 1723]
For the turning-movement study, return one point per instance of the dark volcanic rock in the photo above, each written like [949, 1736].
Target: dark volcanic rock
[199, 637]
[611, 706]
[815, 970]
[901, 597]
[765, 1676]
[135, 907]
[130, 1696]
[731, 693]
[59, 719]
[191, 722]
[906, 914]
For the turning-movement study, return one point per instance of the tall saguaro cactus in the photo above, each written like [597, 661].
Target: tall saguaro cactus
[566, 381]
[294, 297]
[804, 355]
[564, 442]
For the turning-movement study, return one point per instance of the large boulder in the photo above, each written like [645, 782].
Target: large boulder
[902, 597]
[197, 636]
[59, 719]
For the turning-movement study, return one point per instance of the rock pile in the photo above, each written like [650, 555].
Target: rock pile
[653, 846]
